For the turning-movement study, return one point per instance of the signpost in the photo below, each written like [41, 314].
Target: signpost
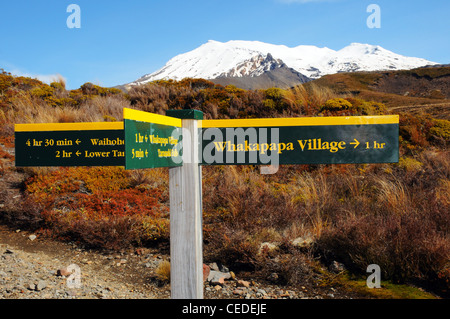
[307, 140]
[70, 144]
[151, 140]
[183, 141]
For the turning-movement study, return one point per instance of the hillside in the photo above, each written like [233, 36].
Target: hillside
[418, 90]
[323, 223]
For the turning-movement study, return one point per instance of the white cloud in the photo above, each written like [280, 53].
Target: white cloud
[46, 78]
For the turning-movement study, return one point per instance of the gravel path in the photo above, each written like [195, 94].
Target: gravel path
[31, 269]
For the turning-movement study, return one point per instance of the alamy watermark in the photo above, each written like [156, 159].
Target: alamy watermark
[74, 19]
[242, 145]
[74, 279]
[374, 280]
[374, 19]
[233, 145]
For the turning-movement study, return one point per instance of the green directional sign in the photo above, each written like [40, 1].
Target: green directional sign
[151, 140]
[70, 144]
[313, 140]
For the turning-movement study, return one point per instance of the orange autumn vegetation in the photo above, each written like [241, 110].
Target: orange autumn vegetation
[81, 202]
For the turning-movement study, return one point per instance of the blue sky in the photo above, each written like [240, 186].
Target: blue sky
[119, 41]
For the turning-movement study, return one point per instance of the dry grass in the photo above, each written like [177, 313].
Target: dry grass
[309, 97]
[389, 214]
[313, 195]
[163, 271]
[392, 196]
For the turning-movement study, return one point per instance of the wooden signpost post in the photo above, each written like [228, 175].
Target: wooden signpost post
[183, 141]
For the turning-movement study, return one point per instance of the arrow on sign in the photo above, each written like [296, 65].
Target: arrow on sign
[356, 143]
[78, 141]
[78, 153]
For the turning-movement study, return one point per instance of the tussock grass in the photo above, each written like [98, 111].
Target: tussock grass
[163, 271]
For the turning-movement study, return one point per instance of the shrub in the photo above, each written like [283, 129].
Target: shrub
[441, 128]
[337, 104]
[409, 164]
[80, 203]
[414, 130]
[367, 107]
[92, 89]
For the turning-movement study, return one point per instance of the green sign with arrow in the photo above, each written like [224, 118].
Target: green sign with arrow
[70, 144]
[313, 140]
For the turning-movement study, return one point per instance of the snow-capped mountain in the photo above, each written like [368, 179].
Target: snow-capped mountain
[235, 59]
[255, 66]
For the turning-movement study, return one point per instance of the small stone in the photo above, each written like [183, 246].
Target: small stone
[243, 283]
[218, 281]
[262, 292]
[214, 266]
[63, 272]
[238, 292]
[42, 284]
[217, 277]
[218, 287]
[223, 268]
[32, 237]
[336, 267]
[302, 242]
[206, 271]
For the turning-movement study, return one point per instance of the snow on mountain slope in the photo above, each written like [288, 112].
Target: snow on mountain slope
[255, 66]
[251, 58]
